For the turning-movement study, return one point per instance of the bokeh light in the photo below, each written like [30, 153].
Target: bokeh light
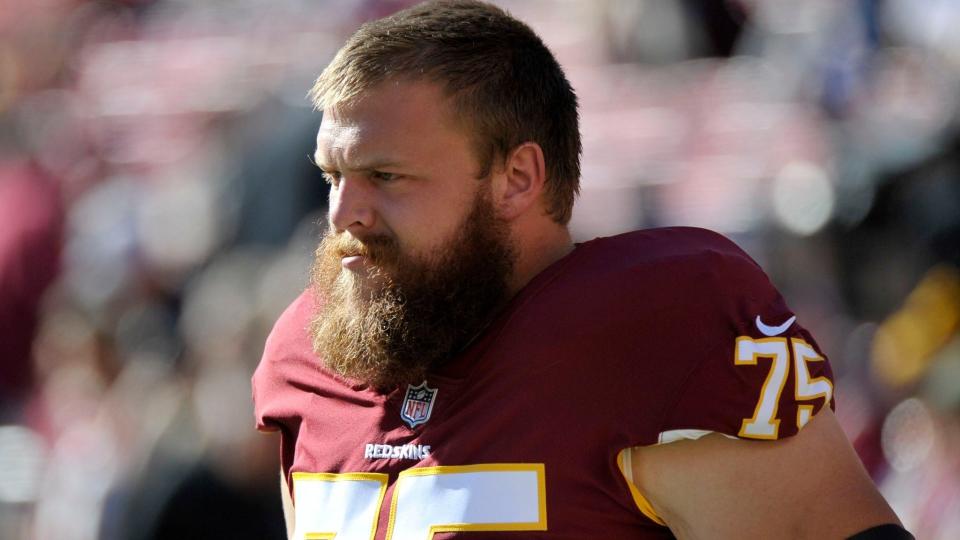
[21, 464]
[909, 435]
[803, 198]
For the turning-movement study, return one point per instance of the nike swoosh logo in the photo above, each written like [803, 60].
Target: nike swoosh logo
[774, 330]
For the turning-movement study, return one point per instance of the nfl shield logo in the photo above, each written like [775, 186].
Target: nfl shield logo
[417, 404]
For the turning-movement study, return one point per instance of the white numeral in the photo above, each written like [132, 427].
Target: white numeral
[344, 506]
[503, 497]
[427, 500]
[764, 424]
[807, 388]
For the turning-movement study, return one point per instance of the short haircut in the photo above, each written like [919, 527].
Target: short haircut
[506, 86]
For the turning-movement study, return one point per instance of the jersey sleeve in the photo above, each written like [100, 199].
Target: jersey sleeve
[287, 365]
[287, 358]
[266, 384]
[759, 375]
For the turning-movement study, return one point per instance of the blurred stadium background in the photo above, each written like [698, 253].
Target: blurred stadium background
[158, 210]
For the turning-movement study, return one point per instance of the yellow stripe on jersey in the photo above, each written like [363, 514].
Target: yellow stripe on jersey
[624, 459]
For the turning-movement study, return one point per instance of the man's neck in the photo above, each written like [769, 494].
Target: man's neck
[537, 249]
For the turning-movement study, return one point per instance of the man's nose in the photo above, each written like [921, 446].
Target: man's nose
[352, 205]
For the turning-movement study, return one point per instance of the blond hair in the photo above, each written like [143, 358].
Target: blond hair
[506, 87]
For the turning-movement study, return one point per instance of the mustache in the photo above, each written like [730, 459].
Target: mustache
[377, 248]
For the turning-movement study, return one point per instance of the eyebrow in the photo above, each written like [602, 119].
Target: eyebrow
[369, 165]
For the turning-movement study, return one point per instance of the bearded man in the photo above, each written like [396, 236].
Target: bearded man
[459, 369]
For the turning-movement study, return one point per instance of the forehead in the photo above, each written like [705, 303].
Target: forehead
[393, 120]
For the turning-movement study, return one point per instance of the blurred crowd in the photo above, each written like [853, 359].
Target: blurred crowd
[158, 210]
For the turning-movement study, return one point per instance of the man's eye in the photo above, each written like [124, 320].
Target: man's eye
[383, 176]
[331, 177]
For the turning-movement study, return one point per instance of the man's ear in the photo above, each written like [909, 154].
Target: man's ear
[522, 181]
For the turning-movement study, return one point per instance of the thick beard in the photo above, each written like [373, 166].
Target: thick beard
[419, 312]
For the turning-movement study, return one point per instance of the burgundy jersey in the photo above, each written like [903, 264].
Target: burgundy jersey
[633, 340]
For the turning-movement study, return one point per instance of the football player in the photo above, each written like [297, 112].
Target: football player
[459, 368]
